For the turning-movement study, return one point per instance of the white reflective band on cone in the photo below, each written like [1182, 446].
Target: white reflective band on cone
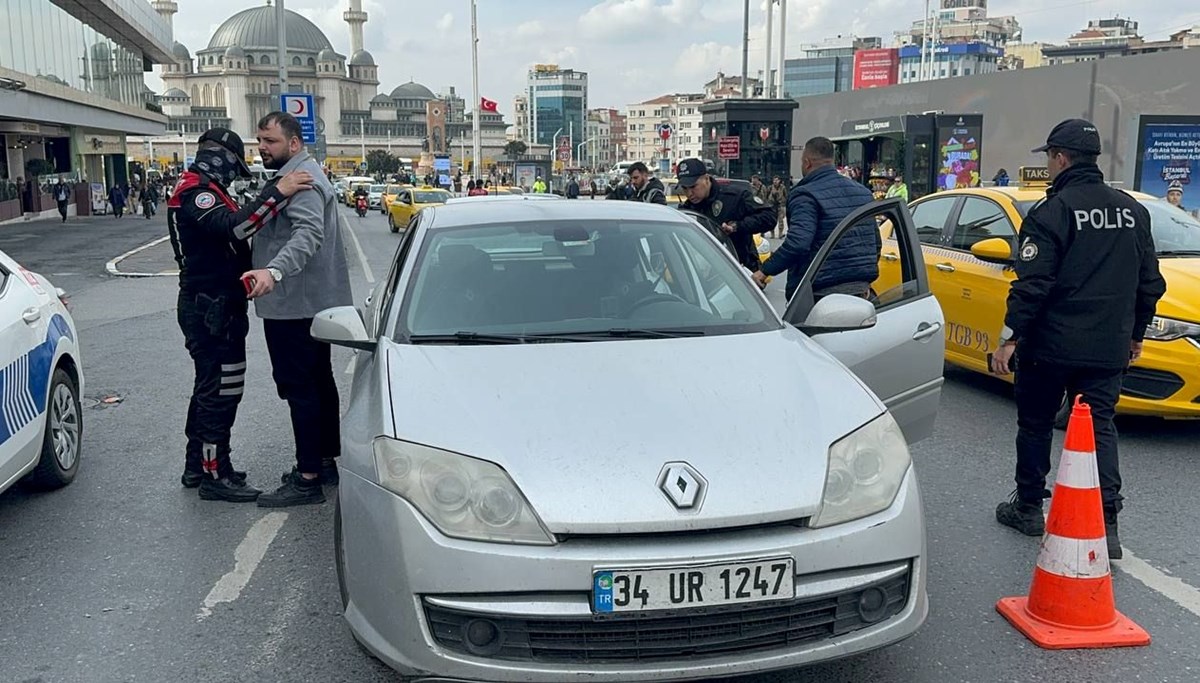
[1073, 558]
[1078, 470]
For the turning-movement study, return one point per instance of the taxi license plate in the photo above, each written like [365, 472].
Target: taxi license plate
[643, 590]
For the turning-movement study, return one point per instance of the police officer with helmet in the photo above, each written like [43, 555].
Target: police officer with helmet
[740, 214]
[1087, 286]
[210, 236]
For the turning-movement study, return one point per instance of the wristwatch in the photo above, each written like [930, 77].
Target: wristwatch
[1006, 336]
[276, 274]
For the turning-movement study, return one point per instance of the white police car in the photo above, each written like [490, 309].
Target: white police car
[41, 380]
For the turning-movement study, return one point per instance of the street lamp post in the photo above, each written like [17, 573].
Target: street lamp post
[477, 139]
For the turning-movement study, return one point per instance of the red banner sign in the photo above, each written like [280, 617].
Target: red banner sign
[729, 147]
[876, 68]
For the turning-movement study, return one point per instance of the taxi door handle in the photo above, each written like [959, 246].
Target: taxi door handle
[945, 267]
[31, 315]
[888, 256]
[926, 330]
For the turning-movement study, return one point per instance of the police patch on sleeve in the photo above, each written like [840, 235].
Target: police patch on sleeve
[206, 200]
[1029, 250]
[716, 208]
[759, 200]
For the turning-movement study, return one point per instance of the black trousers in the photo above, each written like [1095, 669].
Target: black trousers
[303, 372]
[1040, 388]
[214, 330]
[62, 209]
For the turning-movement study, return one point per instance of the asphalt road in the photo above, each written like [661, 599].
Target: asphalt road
[119, 576]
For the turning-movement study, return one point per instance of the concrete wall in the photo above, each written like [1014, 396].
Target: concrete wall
[1020, 107]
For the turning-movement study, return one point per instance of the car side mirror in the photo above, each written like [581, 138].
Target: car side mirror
[342, 326]
[993, 250]
[839, 313]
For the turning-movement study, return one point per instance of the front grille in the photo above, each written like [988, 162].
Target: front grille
[1151, 384]
[685, 634]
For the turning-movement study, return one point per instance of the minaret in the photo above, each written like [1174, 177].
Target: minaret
[166, 9]
[356, 17]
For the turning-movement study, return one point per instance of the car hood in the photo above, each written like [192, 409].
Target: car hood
[1182, 300]
[585, 429]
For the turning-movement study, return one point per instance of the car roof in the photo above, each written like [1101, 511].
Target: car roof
[505, 198]
[482, 212]
[1017, 193]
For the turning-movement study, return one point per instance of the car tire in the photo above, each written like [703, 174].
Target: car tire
[63, 438]
[392, 224]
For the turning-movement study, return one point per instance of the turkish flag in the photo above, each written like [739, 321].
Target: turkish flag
[487, 105]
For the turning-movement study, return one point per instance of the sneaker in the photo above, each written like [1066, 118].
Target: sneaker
[191, 480]
[297, 491]
[1112, 537]
[329, 473]
[1024, 517]
[228, 489]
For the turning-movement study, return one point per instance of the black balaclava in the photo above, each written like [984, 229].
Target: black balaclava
[219, 164]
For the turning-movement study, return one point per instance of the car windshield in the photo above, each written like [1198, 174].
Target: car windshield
[378, 188]
[1175, 231]
[432, 197]
[577, 281]
[392, 189]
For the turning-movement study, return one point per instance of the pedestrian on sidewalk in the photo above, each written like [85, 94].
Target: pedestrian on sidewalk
[777, 198]
[116, 197]
[62, 195]
[300, 269]
[1087, 286]
[210, 236]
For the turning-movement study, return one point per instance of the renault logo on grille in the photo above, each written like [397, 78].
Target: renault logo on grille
[682, 485]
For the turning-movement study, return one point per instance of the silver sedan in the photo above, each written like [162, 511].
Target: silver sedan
[555, 466]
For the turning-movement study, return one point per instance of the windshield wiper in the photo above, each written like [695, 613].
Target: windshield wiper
[468, 338]
[1180, 252]
[633, 333]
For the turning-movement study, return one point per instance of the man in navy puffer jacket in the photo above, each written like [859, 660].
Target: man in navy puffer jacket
[815, 207]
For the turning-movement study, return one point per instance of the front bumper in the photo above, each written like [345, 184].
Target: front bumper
[1165, 382]
[412, 590]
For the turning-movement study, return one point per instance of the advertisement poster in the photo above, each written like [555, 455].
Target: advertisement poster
[876, 68]
[1170, 153]
[960, 141]
[526, 174]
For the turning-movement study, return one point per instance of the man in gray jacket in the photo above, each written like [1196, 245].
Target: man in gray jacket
[300, 270]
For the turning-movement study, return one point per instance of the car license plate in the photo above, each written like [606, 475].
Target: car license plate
[641, 590]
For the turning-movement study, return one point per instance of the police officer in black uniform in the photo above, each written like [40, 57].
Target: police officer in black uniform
[740, 214]
[211, 235]
[1086, 289]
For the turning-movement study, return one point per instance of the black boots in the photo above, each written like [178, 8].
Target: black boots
[295, 491]
[1024, 517]
[228, 489]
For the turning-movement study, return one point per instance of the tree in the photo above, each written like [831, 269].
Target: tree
[38, 167]
[515, 148]
[382, 161]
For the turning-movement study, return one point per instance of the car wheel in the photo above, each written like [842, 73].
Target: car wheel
[392, 224]
[61, 444]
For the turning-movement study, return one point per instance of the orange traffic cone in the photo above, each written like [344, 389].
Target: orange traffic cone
[1070, 603]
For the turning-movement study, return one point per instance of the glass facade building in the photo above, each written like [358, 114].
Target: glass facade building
[74, 87]
[558, 100]
[818, 75]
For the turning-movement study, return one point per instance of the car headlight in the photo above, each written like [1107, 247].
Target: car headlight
[463, 497]
[1169, 329]
[865, 472]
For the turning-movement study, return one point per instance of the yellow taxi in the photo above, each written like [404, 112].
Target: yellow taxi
[389, 195]
[969, 237]
[409, 201]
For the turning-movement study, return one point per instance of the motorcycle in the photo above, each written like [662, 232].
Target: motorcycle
[360, 206]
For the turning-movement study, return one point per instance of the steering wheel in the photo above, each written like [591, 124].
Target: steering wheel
[657, 297]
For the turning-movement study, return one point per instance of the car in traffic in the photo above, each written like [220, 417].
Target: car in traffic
[410, 201]
[968, 240]
[390, 192]
[375, 195]
[553, 468]
[41, 376]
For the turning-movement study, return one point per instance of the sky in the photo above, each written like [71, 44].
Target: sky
[632, 50]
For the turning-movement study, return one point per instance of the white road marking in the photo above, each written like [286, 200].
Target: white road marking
[362, 256]
[246, 558]
[1174, 589]
[111, 266]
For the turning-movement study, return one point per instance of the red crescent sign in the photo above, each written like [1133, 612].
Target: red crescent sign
[299, 107]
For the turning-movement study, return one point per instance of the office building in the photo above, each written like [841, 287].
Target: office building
[558, 101]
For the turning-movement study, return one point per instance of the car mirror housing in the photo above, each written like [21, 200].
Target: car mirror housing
[342, 326]
[839, 313]
[994, 250]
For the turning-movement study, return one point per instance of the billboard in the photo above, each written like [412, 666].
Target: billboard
[960, 143]
[876, 68]
[1168, 151]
